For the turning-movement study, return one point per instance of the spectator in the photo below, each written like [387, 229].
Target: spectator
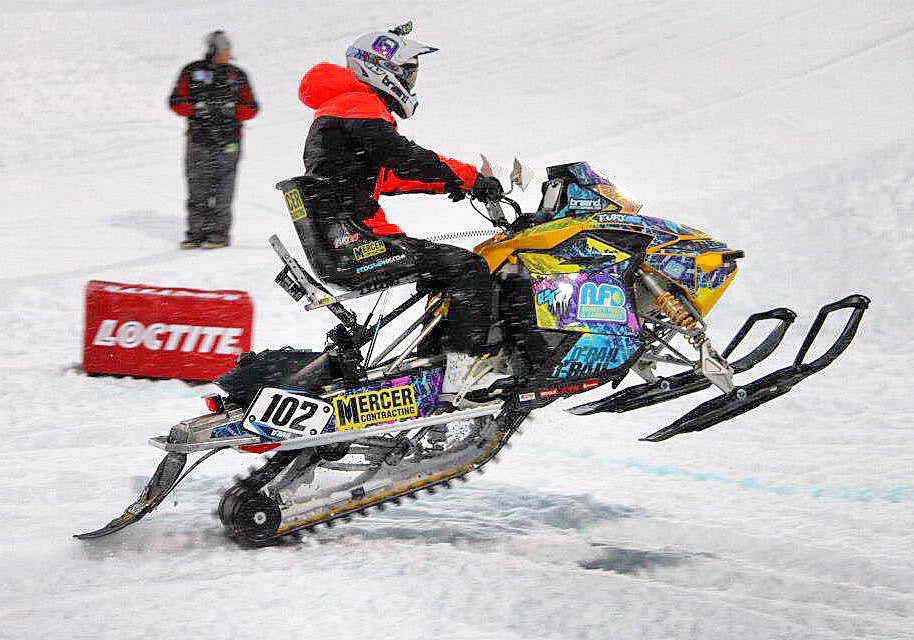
[216, 98]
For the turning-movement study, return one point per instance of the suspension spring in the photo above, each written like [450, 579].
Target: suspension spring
[673, 309]
[679, 315]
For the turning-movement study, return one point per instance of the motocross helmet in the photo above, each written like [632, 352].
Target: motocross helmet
[389, 63]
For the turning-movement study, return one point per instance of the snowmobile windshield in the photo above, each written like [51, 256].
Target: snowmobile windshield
[587, 176]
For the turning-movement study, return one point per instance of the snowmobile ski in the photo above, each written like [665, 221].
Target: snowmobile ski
[675, 386]
[777, 383]
[166, 477]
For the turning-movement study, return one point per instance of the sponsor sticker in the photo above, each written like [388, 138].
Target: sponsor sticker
[152, 291]
[586, 204]
[385, 45]
[296, 205]
[345, 240]
[159, 336]
[359, 410]
[603, 303]
[526, 397]
[568, 389]
[369, 249]
[379, 263]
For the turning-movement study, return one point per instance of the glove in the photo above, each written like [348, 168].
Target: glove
[454, 191]
[487, 189]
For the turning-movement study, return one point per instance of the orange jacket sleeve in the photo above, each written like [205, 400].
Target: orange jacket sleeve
[390, 185]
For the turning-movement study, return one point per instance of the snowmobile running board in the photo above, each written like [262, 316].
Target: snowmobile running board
[195, 436]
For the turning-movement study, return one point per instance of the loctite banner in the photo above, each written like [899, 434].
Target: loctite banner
[164, 332]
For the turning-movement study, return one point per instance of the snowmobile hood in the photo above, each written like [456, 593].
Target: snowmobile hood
[332, 90]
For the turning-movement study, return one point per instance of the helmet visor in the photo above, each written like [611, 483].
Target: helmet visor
[408, 75]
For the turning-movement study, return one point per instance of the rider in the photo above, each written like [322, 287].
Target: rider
[354, 147]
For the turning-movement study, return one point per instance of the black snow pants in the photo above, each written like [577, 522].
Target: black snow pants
[211, 170]
[348, 254]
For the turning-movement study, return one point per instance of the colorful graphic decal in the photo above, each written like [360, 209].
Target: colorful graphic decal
[715, 278]
[228, 431]
[595, 302]
[596, 354]
[413, 395]
[646, 224]
[680, 269]
[697, 246]
[589, 248]
[605, 302]
[386, 46]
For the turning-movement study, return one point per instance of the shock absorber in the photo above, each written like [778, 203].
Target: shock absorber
[673, 309]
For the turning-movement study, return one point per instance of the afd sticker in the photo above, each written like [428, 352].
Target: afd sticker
[296, 205]
[359, 410]
[603, 303]
[369, 249]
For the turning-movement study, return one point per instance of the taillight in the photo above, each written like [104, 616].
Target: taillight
[214, 403]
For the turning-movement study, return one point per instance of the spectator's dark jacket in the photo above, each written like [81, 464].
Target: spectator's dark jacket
[216, 99]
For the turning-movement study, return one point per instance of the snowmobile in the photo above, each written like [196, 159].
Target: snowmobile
[588, 291]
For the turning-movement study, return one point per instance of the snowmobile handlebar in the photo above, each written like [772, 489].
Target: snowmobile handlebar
[496, 214]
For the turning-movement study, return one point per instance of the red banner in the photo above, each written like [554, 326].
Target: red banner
[164, 332]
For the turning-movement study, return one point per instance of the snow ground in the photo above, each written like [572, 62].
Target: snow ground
[784, 128]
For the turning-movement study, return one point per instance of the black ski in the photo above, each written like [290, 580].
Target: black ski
[163, 481]
[777, 383]
[668, 388]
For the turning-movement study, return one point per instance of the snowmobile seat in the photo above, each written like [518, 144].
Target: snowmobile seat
[342, 251]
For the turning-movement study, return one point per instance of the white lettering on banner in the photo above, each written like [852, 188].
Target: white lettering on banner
[132, 334]
[149, 291]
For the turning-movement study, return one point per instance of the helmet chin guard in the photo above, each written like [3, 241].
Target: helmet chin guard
[389, 62]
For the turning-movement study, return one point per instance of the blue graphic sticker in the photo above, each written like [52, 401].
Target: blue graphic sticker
[595, 354]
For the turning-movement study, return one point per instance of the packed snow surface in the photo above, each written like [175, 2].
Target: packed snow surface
[782, 128]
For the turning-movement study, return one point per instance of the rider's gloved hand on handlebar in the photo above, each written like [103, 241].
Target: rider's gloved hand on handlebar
[487, 189]
[454, 191]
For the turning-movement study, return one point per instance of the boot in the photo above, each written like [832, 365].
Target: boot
[465, 374]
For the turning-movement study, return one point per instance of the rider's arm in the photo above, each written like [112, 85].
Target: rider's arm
[409, 168]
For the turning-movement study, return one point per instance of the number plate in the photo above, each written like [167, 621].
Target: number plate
[287, 411]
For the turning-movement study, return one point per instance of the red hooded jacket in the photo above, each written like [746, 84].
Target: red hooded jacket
[354, 141]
